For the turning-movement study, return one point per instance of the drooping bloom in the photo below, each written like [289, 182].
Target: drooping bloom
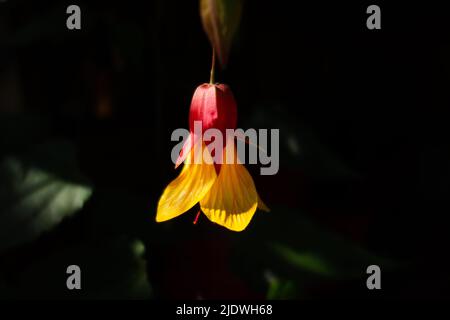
[226, 191]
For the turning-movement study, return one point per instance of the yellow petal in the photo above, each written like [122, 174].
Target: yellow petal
[232, 200]
[194, 181]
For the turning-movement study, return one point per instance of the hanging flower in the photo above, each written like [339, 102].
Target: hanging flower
[226, 191]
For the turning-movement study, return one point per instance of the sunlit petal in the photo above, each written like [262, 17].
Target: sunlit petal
[194, 181]
[232, 200]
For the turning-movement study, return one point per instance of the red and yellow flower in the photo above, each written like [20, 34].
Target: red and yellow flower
[226, 191]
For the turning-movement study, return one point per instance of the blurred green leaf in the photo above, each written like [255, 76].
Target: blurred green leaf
[281, 289]
[309, 261]
[110, 269]
[220, 20]
[38, 189]
[291, 246]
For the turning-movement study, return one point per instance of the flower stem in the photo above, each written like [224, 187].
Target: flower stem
[213, 63]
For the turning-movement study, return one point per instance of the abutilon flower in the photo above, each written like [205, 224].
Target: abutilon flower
[226, 191]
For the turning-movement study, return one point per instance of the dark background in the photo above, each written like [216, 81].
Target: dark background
[365, 159]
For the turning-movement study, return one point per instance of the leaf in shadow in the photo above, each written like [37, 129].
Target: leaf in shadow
[112, 268]
[294, 247]
[280, 289]
[304, 260]
[34, 199]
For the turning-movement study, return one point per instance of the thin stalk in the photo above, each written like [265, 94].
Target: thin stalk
[213, 63]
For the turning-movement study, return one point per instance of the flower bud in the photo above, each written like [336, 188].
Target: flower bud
[214, 106]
